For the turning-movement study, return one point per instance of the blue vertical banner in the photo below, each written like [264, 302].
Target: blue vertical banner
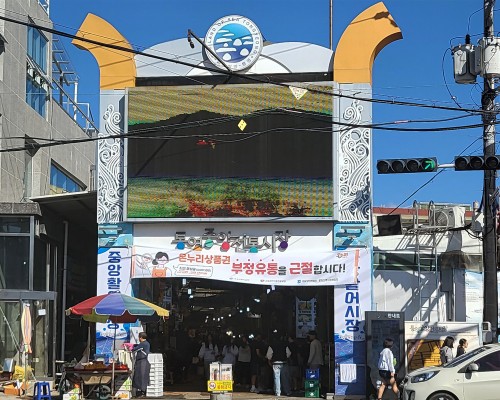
[113, 275]
[351, 302]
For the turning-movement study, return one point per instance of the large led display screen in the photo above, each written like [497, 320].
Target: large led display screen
[229, 151]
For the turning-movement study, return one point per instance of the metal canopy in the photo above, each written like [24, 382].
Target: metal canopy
[77, 208]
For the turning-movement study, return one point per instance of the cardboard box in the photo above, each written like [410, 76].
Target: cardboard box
[11, 390]
[123, 394]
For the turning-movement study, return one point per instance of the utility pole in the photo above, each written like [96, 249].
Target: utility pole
[490, 311]
[331, 25]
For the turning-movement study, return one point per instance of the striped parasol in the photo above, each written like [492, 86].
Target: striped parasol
[117, 308]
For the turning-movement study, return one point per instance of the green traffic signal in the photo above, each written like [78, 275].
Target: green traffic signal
[429, 164]
[407, 165]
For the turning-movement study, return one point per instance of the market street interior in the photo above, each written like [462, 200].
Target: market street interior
[230, 311]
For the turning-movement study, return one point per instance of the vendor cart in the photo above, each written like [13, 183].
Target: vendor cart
[95, 384]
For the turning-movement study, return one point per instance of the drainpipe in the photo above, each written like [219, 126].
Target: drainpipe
[63, 299]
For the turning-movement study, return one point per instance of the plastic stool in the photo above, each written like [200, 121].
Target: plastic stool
[41, 391]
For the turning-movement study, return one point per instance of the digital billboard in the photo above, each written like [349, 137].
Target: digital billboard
[229, 151]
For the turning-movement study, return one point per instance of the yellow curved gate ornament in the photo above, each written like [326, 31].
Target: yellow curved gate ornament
[360, 43]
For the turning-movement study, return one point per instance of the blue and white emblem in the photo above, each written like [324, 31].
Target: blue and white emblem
[236, 40]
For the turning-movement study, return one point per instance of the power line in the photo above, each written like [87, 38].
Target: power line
[137, 133]
[431, 179]
[252, 78]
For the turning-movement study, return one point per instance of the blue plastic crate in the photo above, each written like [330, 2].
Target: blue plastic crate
[312, 373]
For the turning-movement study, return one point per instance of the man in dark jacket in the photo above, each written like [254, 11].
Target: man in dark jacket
[140, 381]
[277, 354]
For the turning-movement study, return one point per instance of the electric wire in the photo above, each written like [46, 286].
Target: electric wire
[138, 46]
[251, 78]
[431, 179]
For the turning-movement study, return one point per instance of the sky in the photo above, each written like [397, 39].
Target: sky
[416, 69]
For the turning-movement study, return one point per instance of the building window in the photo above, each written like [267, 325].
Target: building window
[14, 262]
[36, 95]
[37, 85]
[60, 182]
[37, 48]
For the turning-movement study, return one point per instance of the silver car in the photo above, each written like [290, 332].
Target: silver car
[472, 376]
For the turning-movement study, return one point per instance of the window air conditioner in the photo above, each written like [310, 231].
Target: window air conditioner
[448, 217]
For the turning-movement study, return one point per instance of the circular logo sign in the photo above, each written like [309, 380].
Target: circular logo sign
[236, 40]
[212, 385]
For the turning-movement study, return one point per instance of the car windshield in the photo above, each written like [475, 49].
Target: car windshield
[464, 357]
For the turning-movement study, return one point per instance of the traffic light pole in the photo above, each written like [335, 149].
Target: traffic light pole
[490, 311]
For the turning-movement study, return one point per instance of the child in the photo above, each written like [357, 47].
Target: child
[386, 369]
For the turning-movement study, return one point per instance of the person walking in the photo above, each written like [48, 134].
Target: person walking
[243, 364]
[446, 352]
[277, 355]
[208, 353]
[462, 347]
[293, 363]
[315, 360]
[258, 349]
[230, 353]
[386, 369]
[140, 380]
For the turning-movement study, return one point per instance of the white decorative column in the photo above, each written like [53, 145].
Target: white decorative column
[352, 150]
[111, 158]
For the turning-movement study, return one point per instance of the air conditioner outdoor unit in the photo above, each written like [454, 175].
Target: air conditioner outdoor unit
[448, 217]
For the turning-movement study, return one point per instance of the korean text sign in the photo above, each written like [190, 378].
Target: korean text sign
[280, 269]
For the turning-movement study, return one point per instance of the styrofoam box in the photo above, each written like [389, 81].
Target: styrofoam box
[155, 357]
[154, 393]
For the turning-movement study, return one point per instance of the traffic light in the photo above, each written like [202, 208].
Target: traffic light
[476, 163]
[407, 165]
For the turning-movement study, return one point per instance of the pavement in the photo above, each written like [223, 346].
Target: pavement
[171, 395]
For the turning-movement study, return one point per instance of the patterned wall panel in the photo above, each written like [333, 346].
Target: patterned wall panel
[352, 150]
[110, 162]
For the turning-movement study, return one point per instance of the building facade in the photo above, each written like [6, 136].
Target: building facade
[36, 111]
[200, 191]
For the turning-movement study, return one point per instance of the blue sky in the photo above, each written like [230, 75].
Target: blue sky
[416, 69]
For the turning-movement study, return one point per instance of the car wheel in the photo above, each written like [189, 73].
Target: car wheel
[442, 396]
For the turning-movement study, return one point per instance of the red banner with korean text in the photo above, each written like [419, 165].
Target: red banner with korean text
[280, 269]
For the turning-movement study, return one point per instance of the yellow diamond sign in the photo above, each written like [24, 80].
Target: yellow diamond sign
[242, 125]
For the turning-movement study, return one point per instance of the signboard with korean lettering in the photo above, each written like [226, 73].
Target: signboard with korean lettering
[379, 326]
[113, 275]
[220, 386]
[292, 268]
[351, 302]
[423, 340]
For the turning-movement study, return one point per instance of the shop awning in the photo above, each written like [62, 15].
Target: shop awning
[76, 208]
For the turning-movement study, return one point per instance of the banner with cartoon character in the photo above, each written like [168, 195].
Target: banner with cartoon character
[283, 269]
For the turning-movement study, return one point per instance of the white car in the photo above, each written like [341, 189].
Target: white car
[472, 376]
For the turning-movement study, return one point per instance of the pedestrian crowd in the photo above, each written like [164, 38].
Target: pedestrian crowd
[274, 364]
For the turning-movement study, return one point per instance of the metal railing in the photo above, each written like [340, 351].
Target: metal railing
[75, 110]
[45, 4]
